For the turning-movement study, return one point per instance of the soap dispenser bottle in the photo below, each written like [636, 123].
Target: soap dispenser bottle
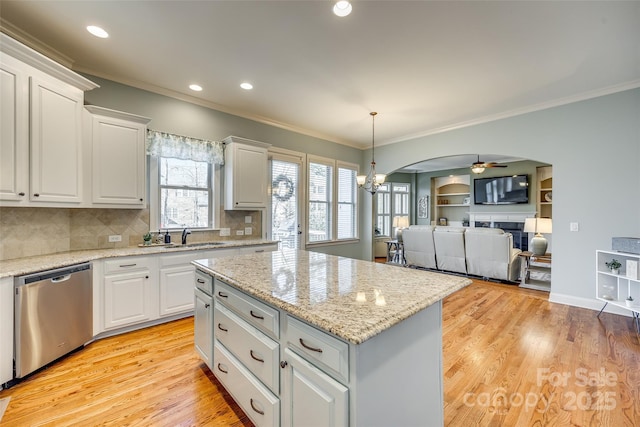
[167, 237]
[159, 237]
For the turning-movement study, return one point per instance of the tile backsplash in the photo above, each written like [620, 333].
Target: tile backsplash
[28, 232]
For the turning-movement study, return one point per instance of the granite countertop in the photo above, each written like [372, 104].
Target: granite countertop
[20, 266]
[352, 299]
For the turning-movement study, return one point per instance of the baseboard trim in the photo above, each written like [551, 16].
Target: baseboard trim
[589, 303]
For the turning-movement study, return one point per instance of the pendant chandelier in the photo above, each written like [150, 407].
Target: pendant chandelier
[372, 180]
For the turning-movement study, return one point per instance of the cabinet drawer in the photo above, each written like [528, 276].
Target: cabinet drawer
[123, 265]
[260, 405]
[250, 309]
[319, 347]
[204, 282]
[259, 353]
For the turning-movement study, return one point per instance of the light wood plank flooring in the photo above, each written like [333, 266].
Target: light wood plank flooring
[510, 359]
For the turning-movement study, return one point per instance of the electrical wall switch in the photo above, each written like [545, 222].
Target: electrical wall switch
[248, 231]
[247, 219]
[574, 226]
[115, 238]
[225, 232]
[239, 232]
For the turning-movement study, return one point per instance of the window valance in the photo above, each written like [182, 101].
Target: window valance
[163, 144]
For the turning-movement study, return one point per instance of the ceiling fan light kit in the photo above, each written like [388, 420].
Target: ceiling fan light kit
[479, 167]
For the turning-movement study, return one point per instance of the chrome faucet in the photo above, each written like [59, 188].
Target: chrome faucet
[184, 235]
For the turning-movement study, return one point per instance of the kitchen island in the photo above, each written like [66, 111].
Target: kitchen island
[304, 338]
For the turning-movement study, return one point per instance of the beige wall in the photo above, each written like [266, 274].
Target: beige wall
[28, 232]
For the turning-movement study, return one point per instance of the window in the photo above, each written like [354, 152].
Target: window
[183, 193]
[392, 200]
[333, 201]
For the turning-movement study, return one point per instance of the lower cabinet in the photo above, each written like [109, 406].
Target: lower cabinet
[310, 397]
[128, 292]
[203, 326]
[6, 330]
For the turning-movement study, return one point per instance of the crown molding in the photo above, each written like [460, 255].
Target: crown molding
[36, 44]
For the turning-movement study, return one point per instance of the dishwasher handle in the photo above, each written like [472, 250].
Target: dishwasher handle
[60, 279]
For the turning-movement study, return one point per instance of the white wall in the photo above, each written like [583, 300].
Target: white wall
[594, 147]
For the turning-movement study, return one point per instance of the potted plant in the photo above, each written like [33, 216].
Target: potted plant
[147, 239]
[614, 265]
[629, 301]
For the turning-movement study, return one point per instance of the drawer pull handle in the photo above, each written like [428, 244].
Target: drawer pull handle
[318, 350]
[199, 280]
[256, 409]
[127, 265]
[221, 328]
[259, 250]
[222, 370]
[255, 315]
[255, 358]
[221, 295]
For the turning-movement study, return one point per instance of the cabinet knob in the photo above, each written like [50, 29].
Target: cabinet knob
[140, 199]
[146, 277]
[207, 305]
[283, 364]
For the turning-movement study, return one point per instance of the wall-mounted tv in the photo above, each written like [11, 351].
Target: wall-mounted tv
[501, 190]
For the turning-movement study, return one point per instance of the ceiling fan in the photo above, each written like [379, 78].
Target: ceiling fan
[479, 167]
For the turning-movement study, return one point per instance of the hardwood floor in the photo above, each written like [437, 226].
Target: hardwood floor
[510, 359]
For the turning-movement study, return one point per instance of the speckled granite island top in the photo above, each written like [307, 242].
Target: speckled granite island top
[352, 299]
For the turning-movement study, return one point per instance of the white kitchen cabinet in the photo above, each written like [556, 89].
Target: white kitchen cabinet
[177, 276]
[203, 326]
[41, 122]
[310, 397]
[130, 296]
[115, 143]
[6, 330]
[246, 179]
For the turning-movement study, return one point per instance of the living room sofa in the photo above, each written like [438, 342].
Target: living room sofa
[482, 252]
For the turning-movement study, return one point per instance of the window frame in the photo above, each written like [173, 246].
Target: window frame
[392, 207]
[333, 201]
[155, 188]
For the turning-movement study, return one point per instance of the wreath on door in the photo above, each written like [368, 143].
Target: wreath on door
[282, 188]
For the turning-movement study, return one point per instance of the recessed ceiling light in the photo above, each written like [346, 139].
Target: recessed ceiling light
[342, 8]
[97, 31]
[195, 87]
[246, 86]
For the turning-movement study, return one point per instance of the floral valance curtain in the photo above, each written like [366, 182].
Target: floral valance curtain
[182, 147]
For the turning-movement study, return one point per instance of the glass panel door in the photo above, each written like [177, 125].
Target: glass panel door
[285, 197]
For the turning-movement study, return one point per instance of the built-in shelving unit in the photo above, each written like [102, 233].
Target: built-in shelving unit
[453, 197]
[544, 197]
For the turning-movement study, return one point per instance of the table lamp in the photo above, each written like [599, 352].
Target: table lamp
[400, 223]
[538, 226]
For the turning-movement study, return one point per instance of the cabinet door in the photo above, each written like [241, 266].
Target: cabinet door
[14, 133]
[56, 149]
[176, 289]
[202, 326]
[310, 397]
[248, 178]
[127, 299]
[6, 329]
[118, 162]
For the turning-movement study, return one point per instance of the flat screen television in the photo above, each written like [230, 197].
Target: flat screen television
[501, 190]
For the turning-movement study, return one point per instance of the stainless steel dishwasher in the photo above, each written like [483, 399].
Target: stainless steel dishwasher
[53, 315]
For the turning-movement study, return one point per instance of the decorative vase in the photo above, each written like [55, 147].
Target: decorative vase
[615, 271]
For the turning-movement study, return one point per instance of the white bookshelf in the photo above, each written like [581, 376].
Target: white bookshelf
[614, 288]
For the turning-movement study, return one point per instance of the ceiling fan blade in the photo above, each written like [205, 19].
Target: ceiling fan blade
[494, 165]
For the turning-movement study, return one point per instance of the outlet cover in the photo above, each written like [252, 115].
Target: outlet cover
[115, 238]
[225, 232]
[248, 231]
[239, 232]
[247, 219]
[574, 226]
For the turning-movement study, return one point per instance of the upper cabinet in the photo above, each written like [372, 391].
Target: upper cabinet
[245, 166]
[545, 187]
[41, 129]
[115, 149]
